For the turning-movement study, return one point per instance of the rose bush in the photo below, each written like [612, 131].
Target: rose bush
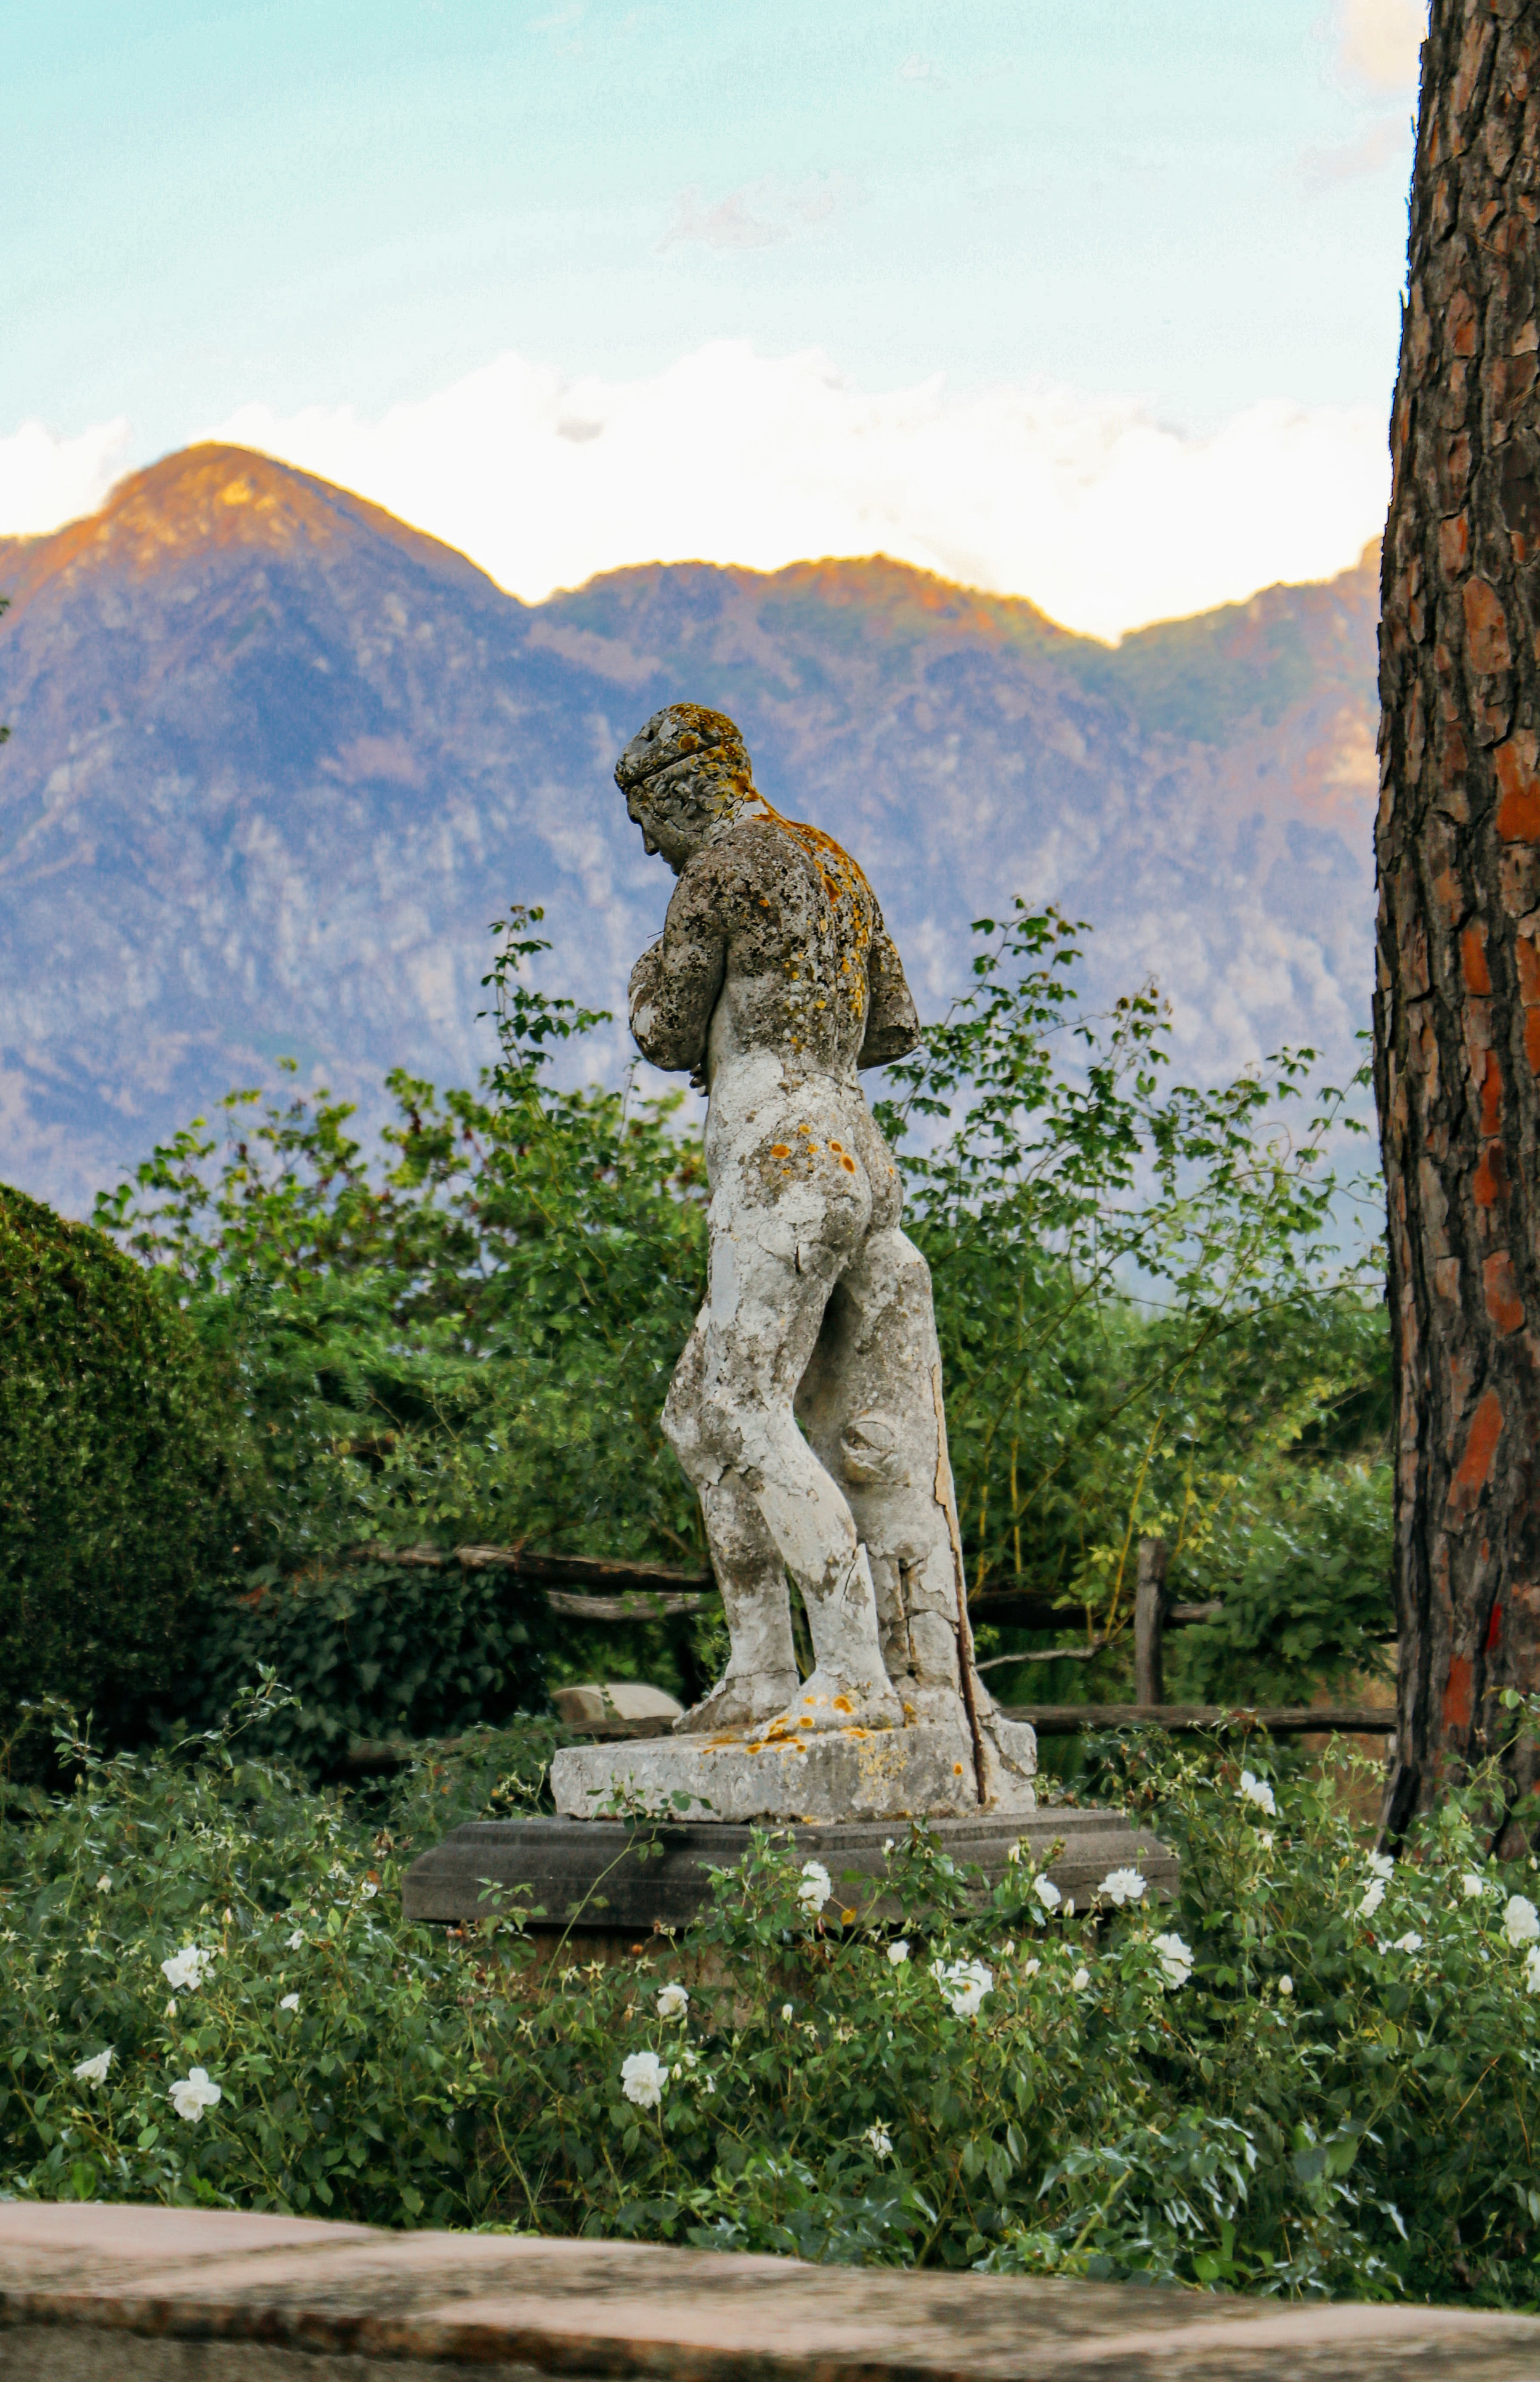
[208, 1997]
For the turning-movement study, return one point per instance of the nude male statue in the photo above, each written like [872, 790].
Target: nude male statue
[773, 981]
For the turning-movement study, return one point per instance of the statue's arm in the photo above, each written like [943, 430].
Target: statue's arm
[892, 1021]
[675, 983]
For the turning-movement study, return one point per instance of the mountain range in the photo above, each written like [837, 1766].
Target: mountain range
[277, 761]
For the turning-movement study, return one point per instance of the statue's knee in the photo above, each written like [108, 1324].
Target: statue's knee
[681, 1422]
[702, 1427]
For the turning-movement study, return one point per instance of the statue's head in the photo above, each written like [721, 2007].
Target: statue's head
[686, 776]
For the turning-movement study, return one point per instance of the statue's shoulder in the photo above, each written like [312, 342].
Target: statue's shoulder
[753, 855]
[784, 847]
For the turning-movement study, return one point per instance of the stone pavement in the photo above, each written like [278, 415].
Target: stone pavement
[92, 2294]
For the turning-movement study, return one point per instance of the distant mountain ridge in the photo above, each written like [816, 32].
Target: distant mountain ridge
[277, 760]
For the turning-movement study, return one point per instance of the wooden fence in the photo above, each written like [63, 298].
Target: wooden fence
[643, 1591]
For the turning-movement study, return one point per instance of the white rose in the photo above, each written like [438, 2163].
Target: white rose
[1382, 1864]
[1030, 1968]
[880, 2140]
[1047, 1893]
[1471, 1885]
[816, 1885]
[1175, 1960]
[1123, 1886]
[787, 2011]
[1520, 1920]
[642, 2079]
[1079, 1981]
[1532, 1972]
[1407, 1943]
[899, 1953]
[1256, 1790]
[289, 2002]
[187, 1968]
[296, 1941]
[192, 2093]
[1373, 1895]
[673, 2001]
[1285, 1984]
[94, 2070]
[963, 1985]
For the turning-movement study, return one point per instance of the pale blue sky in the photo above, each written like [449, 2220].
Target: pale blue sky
[295, 202]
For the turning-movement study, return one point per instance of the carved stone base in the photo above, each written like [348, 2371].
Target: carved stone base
[593, 1878]
[925, 1771]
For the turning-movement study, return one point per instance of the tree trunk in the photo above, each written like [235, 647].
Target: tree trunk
[1457, 1008]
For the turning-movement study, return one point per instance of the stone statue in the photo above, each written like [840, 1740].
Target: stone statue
[774, 982]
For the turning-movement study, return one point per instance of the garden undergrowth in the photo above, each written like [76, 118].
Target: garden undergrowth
[1317, 2071]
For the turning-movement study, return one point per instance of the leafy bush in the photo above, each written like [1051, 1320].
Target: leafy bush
[1148, 1325]
[1301, 1576]
[467, 1336]
[375, 1652]
[1307, 2076]
[120, 1470]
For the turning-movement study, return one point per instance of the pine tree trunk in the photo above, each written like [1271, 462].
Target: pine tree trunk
[1457, 1010]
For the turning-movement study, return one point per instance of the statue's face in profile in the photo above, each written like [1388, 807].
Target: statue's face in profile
[685, 776]
[663, 830]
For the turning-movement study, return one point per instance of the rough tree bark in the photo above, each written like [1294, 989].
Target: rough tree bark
[1457, 1025]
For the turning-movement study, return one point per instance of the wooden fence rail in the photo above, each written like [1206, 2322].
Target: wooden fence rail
[650, 1591]
[1275, 1720]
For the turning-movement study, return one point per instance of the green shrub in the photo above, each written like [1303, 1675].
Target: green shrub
[375, 1651]
[466, 1336]
[1341, 2095]
[119, 1441]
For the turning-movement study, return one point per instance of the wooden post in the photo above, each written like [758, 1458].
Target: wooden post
[1149, 1614]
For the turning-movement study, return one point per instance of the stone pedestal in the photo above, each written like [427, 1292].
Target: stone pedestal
[594, 1875]
[823, 1777]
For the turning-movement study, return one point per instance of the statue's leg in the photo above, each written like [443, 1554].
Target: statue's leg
[761, 1675]
[787, 1213]
[868, 1403]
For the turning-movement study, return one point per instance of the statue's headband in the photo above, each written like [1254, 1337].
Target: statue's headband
[684, 742]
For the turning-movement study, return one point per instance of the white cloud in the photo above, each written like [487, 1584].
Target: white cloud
[1086, 503]
[757, 214]
[46, 480]
[1388, 140]
[1377, 42]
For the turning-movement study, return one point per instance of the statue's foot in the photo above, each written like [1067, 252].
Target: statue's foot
[740, 1701]
[827, 1700]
